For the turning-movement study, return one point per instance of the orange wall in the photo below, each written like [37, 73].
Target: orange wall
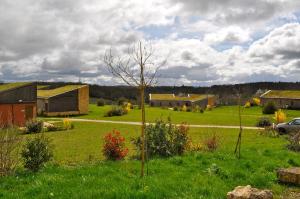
[14, 114]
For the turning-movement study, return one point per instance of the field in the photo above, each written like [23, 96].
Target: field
[224, 115]
[79, 171]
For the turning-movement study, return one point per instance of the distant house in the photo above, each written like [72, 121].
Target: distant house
[172, 100]
[62, 101]
[17, 103]
[282, 98]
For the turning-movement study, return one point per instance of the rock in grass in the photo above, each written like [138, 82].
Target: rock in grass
[247, 192]
[289, 175]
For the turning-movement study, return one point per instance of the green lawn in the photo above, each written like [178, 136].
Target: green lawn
[78, 169]
[224, 115]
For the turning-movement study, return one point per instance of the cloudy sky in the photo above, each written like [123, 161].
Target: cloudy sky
[205, 42]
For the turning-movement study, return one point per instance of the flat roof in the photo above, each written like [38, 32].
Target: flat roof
[48, 93]
[290, 94]
[9, 86]
[172, 97]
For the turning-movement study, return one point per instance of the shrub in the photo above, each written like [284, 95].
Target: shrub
[189, 109]
[256, 101]
[100, 102]
[34, 126]
[36, 153]
[279, 116]
[208, 107]
[9, 141]
[201, 110]
[247, 105]
[175, 108]
[263, 122]
[294, 142]
[121, 101]
[127, 107]
[165, 139]
[196, 108]
[184, 108]
[116, 111]
[67, 124]
[114, 147]
[212, 143]
[269, 108]
[195, 147]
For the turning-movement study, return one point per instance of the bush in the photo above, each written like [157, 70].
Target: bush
[269, 108]
[294, 142]
[247, 105]
[208, 107]
[34, 126]
[263, 122]
[184, 108]
[175, 108]
[212, 143]
[201, 110]
[116, 111]
[36, 153]
[67, 124]
[255, 101]
[279, 116]
[189, 109]
[100, 102]
[9, 141]
[121, 101]
[165, 139]
[114, 147]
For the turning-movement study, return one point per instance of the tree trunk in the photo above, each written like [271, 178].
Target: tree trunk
[143, 130]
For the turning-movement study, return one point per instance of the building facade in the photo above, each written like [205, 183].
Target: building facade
[172, 100]
[18, 103]
[282, 98]
[63, 101]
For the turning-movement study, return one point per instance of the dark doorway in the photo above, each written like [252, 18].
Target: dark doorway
[28, 113]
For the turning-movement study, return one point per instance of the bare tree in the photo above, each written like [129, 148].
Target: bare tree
[138, 70]
[237, 150]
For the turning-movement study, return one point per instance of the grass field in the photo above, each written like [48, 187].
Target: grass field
[78, 169]
[224, 115]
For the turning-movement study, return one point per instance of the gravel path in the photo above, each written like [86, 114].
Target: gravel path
[138, 124]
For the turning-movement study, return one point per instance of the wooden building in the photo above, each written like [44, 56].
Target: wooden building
[282, 98]
[17, 103]
[172, 100]
[63, 101]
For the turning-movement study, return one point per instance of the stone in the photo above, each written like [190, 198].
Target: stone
[47, 125]
[289, 175]
[247, 192]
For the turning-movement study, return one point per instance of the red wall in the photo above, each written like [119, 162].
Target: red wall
[14, 114]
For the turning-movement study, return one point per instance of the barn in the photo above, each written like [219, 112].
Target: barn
[172, 100]
[63, 101]
[282, 98]
[17, 103]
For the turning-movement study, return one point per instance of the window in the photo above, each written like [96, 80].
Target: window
[296, 122]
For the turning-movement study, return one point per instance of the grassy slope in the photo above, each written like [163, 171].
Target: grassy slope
[178, 177]
[226, 115]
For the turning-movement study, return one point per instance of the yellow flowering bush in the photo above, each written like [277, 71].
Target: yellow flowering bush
[280, 116]
[184, 108]
[256, 101]
[67, 124]
[247, 104]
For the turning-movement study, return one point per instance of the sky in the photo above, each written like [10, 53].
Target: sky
[203, 42]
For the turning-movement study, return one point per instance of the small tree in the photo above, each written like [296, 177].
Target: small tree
[237, 150]
[137, 70]
[279, 116]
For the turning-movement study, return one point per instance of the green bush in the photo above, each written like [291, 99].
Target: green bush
[100, 102]
[34, 126]
[36, 153]
[263, 122]
[269, 108]
[121, 101]
[175, 108]
[116, 111]
[163, 139]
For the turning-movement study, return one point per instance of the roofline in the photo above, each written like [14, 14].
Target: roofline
[265, 93]
[84, 85]
[25, 84]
